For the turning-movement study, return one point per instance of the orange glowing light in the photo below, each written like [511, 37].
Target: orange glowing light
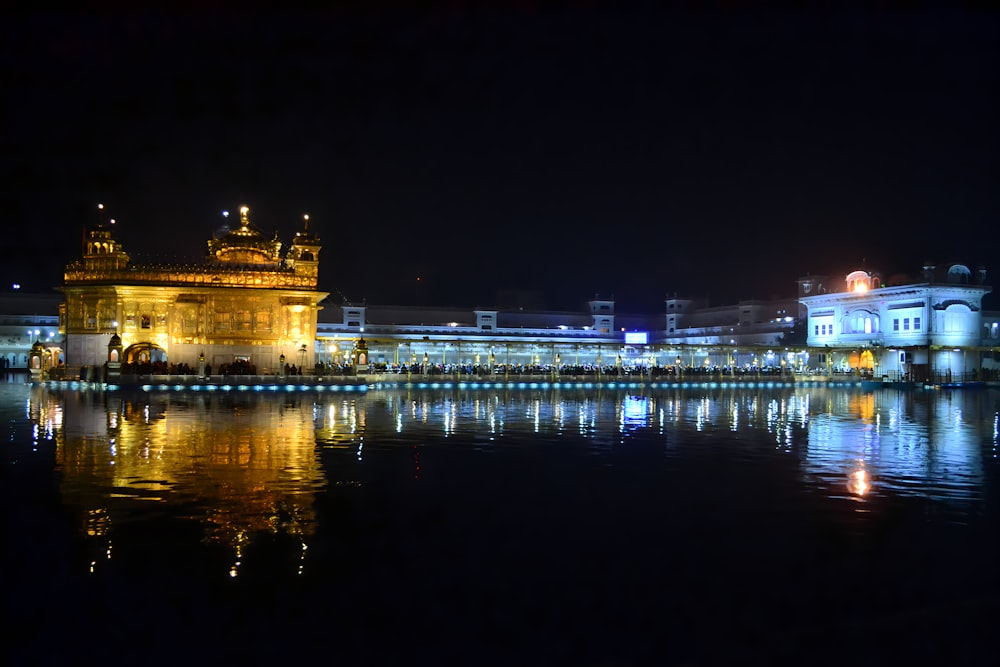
[860, 287]
[858, 482]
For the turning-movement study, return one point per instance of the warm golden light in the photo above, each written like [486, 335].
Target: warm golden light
[858, 482]
[860, 287]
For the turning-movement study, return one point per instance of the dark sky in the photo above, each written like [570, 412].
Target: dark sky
[708, 150]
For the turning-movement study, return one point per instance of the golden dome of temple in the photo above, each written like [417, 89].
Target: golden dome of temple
[245, 245]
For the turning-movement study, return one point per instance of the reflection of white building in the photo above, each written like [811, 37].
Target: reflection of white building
[926, 329]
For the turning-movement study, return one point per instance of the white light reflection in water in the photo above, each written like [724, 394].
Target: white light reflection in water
[634, 413]
[702, 414]
[996, 433]
[923, 448]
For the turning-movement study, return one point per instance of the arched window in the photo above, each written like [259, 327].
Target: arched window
[860, 321]
[858, 281]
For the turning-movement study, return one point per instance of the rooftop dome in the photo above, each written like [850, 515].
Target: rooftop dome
[244, 245]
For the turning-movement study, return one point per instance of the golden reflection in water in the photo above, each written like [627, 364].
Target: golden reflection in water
[863, 405]
[247, 463]
[859, 482]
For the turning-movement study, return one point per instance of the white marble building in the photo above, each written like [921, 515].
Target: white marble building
[926, 329]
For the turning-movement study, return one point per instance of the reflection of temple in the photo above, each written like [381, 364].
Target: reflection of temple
[251, 469]
[245, 304]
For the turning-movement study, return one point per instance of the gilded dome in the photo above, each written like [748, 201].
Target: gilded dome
[244, 245]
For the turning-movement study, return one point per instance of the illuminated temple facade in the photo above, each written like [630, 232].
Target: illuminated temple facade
[246, 305]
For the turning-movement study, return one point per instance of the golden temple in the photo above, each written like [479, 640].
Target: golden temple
[245, 305]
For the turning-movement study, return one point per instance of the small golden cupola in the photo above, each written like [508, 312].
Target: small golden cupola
[244, 245]
[101, 251]
[303, 254]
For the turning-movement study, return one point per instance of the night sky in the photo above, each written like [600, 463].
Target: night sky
[706, 149]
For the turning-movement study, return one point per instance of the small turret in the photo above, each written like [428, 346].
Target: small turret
[303, 254]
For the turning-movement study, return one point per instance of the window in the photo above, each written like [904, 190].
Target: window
[895, 324]
[817, 329]
[906, 324]
[144, 321]
[916, 324]
[223, 321]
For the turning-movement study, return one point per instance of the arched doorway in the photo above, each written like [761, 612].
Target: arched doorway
[145, 358]
[867, 360]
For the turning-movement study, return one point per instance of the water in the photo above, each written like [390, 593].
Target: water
[522, 527]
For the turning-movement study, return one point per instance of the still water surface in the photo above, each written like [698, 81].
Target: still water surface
[597, 527]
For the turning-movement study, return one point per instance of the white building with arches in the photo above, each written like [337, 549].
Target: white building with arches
[930, 329]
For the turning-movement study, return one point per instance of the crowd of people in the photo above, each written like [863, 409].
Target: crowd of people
[615, 370]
